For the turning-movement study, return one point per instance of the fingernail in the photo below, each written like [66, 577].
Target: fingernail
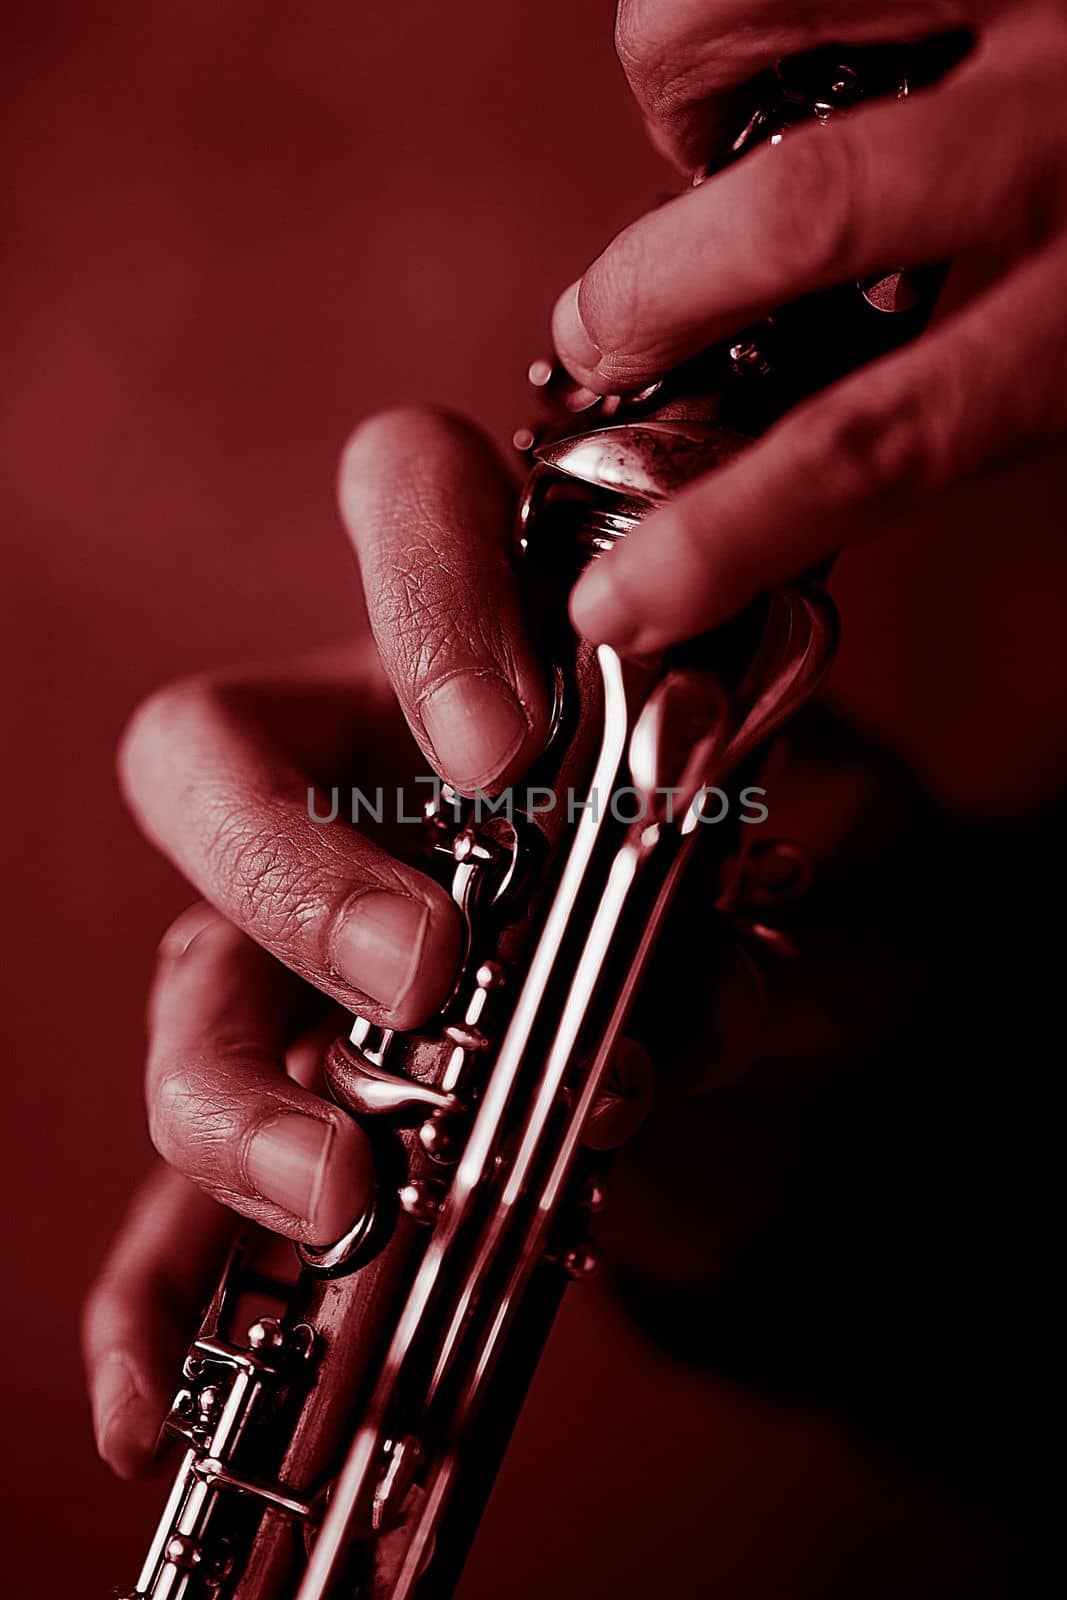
[378, 943]
[475, 725]
[181, 933]
[285, 1162]
[598, 611]
[572, 340]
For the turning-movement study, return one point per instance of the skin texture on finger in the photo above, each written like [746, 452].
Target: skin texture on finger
[220, 1105]
[207, 768]
[902, 184]
[981, 387]
[429, 509]
[141, 1312]
[142, 1308]
[684, 61]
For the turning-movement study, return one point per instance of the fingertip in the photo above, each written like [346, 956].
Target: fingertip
[438, 964]
[666, 582]
[384, 449]
[476, 727]
[315, 1167]
[129, 1447]
[574, 345]
[599, 610]
[400, 950]
[347, 1187]
[126, 1416]
[429, 506]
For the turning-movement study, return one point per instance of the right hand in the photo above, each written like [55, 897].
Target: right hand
[970, 170]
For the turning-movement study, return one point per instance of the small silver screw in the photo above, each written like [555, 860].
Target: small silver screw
[421, 1200]
[436, 1138]
[266, 1334]
[183, 1552]
[208, 1403]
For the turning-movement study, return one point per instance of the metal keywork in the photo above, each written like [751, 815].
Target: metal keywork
[625, 470]
[503, 1125]
[669, 735]
[231, 1390]
[431, 1312]
[488, 855]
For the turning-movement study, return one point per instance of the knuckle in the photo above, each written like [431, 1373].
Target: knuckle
[427, 612]
[267, 885]
[1017, 166]
[191, 1125]
[633, 38]
[661, 60]
[863, 449]
[417, 604]
[615, 305]
[419, 530]
[813, 211]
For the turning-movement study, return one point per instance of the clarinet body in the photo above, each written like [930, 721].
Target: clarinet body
[343, 1414]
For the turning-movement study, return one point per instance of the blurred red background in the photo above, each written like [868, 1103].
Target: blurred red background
[233, 229]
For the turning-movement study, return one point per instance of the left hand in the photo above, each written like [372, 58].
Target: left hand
[971, 169]
[142, 1310]
[250, 989]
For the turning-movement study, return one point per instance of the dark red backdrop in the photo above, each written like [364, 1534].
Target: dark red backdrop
[233, 229]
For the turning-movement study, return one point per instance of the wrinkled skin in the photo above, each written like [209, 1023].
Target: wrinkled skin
[254, 979]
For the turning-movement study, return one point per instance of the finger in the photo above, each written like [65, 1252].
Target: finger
[684, 60]
[220, 1105]
[429, 509]
[976, 389]
[829, 203]
[142, 1309]
[207, 769]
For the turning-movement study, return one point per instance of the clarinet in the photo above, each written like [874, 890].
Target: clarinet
[344, 1410]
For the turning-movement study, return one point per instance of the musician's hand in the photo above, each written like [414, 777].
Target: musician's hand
[972, 169]
[218, 772]
[142, 1310]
